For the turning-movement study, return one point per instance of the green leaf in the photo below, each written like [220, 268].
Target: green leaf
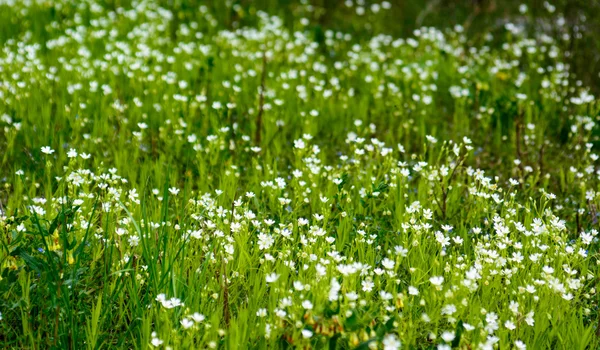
[351, 323]
[459, 331]
[35, 264]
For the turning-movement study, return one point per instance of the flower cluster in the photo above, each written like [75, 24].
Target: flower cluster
[206, 184]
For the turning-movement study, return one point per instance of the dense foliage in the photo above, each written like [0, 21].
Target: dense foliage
[190, 175]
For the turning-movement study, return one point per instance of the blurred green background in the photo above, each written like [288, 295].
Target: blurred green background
[574, 24]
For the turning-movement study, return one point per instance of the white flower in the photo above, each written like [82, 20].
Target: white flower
[298, 285]
[449, 309]
[72, 153]
[187, 323]
[170, 303]
[352, 296]
[437, 280]
[413, 291]
[335, 289]
[520, 345]
[47, 150]
[272, 277]
[134, 241]
[385, 295]
[514, 307]
[155, 341]
[448, 336]
[265, 241]
[198, 317]
[174, 191]
[367, 286]
[261, 313]
[431, 139]
[391, 342]
[299, 144]
[306, 333]
[307, 305]
[280, 313]
[491, 320]
[529, 319]
[388, 263]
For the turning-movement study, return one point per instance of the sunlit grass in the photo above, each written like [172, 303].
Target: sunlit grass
[172, 182]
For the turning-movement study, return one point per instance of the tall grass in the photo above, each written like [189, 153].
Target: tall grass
[186, 174]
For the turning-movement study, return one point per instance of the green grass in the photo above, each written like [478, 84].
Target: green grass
[240, 175]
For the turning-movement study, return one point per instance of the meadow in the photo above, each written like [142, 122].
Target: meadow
[246, 175]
